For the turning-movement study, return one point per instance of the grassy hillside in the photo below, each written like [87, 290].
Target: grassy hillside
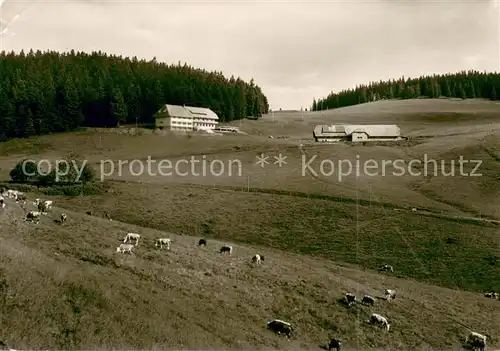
[64, 287]
[322, 236]
[455, 254]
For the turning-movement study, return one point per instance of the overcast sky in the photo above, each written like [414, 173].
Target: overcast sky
[294, 50]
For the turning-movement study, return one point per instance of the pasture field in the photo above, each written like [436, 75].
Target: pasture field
[64, 287]
[322, 236]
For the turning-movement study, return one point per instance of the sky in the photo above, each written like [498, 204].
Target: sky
[294, 50]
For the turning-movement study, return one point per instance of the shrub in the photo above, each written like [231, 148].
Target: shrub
[73, 172]
[24, 172]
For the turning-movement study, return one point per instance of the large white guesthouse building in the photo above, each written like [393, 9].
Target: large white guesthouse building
[186, 118]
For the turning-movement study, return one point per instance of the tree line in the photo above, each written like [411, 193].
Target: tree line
[465, 85]
[46, 92]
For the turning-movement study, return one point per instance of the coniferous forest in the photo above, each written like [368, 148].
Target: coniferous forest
[46, 92]
[464, 85]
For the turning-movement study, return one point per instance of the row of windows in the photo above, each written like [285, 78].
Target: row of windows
[201, 119]
[175, 123]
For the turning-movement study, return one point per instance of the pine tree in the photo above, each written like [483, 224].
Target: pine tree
[462, 91]
[446, 89]
[30, 127]
[119, 108]
[493, 94]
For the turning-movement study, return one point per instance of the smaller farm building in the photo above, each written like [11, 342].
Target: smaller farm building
[355, 133]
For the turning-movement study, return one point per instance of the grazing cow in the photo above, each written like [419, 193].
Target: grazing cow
[257, 259]
[36, 202]
[125, 248]
[280, 327]
[64, 217]
[23, 199]
[350, 298]
[33, 216]
[380, 320]
[492, 295]
[226, 248]
[131, 236]
[476, 340]
[40, 207]
[12, 194]
[390, 294]
[387, 267]
[335, 344]
[368, 300]
[108, 216]
[163, 241]
[202, 242]
[43, 207]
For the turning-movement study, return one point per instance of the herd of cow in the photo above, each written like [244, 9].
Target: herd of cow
[474, 340]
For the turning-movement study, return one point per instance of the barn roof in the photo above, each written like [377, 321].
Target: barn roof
[381, 130]
[206, 112]
[189, 111]
[178, 111]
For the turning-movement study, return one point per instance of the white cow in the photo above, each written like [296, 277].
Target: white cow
[350, 298]
[380, 320]
[390, 294]
[368, 300]
[131, 236]
[387, 267]
[163, 241]
[12, 194]
[45, 206]
[125, 248]
[280, 327]
[33, 216]
[476, 340]
[257, 259]
[21, 198]
[492, 295]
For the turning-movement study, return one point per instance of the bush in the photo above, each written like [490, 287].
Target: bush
[73, 172]
[88, 174]
[24, 172]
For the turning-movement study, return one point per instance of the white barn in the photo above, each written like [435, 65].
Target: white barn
[357, 133]
[185, 118]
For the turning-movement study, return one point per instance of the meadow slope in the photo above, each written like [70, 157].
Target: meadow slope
[443, 130]
[64, 287]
